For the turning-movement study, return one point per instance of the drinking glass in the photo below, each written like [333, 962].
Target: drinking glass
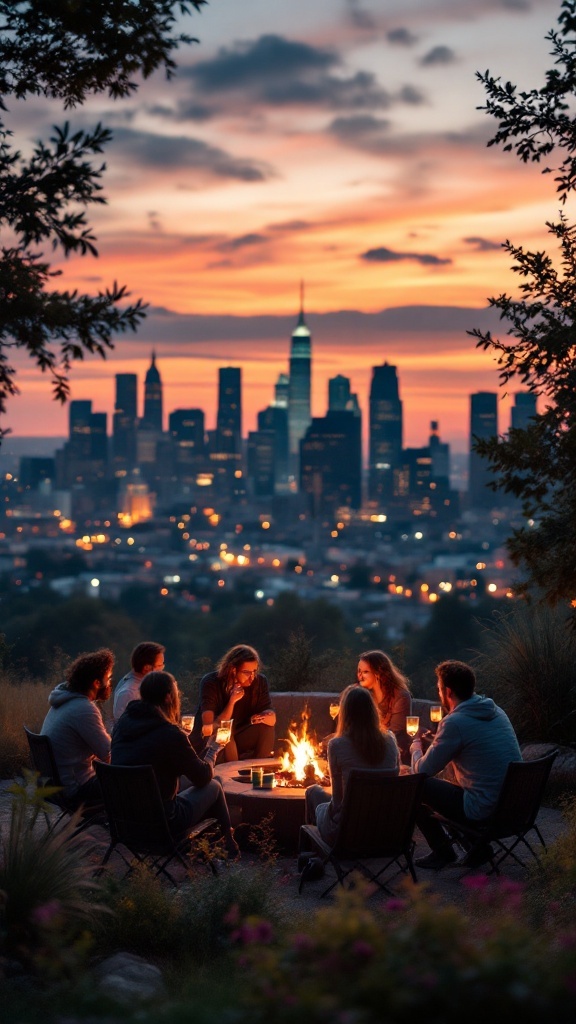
[187, 723]
[436, 713]
[224, 731]
[412, 724]
[334, 710]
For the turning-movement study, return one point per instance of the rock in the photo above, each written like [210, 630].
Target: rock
[125, 978]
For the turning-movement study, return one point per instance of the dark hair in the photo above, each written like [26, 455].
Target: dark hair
[145, 654]
[88, 667]
[229, 662]
[156, 686]
[359, 720]
[458, 677]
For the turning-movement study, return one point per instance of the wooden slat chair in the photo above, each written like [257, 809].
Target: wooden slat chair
[44, 762]
[137, 820]
[513, 818]
[377, 823]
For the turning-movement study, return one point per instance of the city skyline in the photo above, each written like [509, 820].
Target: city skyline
[332, 142]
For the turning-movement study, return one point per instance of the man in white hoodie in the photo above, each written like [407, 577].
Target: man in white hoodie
[75, 726]
[476, 737]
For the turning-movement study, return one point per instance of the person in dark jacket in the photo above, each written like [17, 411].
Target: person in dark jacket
[237, 690]
[148, 732]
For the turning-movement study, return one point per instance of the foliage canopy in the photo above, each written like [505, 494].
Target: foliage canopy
[66, 50]
[538, 464]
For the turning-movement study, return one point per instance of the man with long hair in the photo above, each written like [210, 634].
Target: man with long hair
[75, 726]
[237, 690]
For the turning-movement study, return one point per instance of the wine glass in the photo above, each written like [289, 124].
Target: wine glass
[187, 723]
[224, 731]
[412, 724]
[334, 710]
[436, 713]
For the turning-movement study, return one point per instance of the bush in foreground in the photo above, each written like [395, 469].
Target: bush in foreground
[409, 959]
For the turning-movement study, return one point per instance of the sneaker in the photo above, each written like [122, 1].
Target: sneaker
[437, 859]
[477, 856]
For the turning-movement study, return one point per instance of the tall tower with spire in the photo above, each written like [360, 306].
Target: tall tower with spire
[152, 419]
[299, 415]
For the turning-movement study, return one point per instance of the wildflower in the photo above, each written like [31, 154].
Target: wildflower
[394, 904]
[363, 950]
[45, 914]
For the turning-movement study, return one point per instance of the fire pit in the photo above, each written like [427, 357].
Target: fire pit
[300, 766]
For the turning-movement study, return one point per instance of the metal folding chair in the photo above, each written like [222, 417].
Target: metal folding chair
[44, 762]
[377, 823]
[513, 818]
[137, 820]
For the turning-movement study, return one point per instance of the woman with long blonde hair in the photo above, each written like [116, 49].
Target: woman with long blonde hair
[391, 693]
[360, 742]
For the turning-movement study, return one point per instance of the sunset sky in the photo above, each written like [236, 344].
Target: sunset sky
[334, 141]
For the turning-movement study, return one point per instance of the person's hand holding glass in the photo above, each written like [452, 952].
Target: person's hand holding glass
[412, 725]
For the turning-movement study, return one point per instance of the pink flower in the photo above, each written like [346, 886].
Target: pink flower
[233, 915]
[394, 905]
[363, 949]
[476, 882]
[44, 914]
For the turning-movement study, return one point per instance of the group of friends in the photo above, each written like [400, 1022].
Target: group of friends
[475, 738]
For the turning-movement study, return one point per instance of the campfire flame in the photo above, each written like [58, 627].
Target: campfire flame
[300, 761]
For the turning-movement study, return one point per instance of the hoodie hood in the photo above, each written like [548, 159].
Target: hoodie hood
[62, 695]
[139, 719]
[481, 708]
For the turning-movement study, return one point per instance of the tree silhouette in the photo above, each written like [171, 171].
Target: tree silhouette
[66, 51]
[538, 464]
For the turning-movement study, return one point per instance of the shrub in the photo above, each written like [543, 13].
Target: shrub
[529, 665]
[48, 896]
[553, 885]
[407, 959]
[192, 922]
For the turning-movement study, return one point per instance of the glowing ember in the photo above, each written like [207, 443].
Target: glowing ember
[300, 764]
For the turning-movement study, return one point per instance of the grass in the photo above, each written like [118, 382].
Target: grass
[22, 702]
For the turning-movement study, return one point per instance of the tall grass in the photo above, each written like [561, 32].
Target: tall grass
[528, 664]
[22, 702]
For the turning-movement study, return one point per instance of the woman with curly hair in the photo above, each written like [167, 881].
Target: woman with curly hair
[236, 690]
[391, 694]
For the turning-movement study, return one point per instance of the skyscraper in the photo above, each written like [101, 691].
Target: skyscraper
[152, 419]
[483, 425]
[523, 410]
[331, 462]
[338, 393]
[229, 418]
[281, 390]
[125, 422]
[188, 443]
[275, 418]
[385, 450]
[299, 388]
[440, 454]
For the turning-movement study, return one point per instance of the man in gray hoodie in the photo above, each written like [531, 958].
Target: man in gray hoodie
[75, 726]
[476, 737]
